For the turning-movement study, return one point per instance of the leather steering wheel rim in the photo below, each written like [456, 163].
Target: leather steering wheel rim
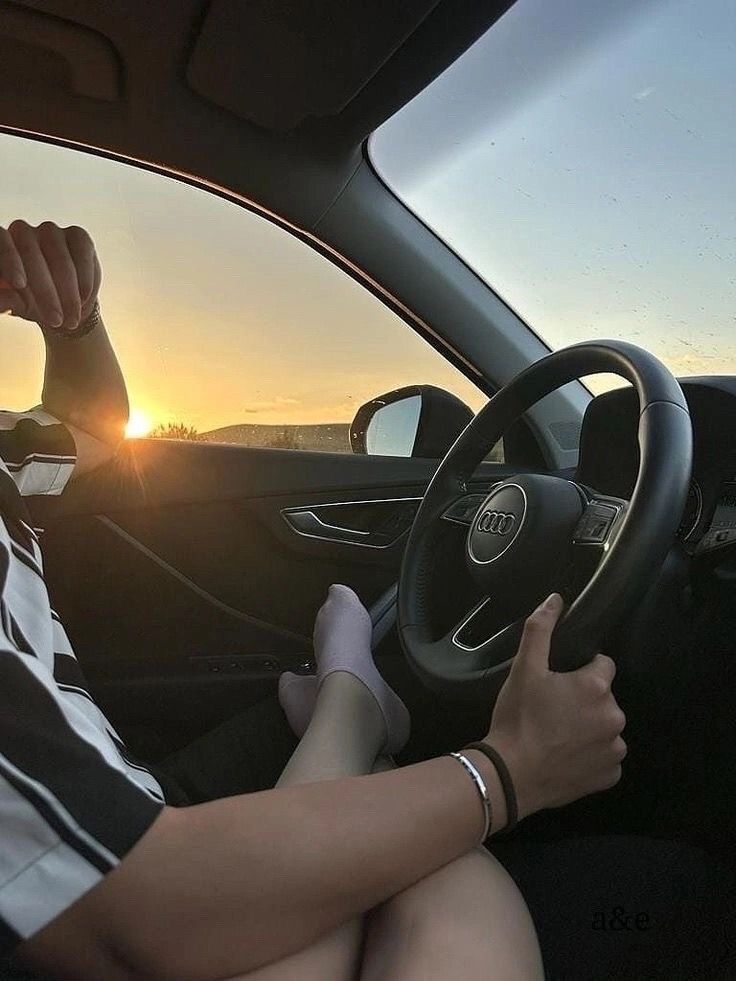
[644, 534]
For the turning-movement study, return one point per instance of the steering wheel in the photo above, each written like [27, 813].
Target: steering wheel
[536, 533]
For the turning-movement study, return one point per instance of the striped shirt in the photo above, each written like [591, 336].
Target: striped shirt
[72, 801]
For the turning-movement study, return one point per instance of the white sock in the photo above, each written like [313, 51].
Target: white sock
[342, 642]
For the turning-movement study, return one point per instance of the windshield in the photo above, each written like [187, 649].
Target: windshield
[581, 158]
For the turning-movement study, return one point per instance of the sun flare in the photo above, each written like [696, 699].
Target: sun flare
[139, 424]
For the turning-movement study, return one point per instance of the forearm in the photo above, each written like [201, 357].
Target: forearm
[219, 889]
[84, 386]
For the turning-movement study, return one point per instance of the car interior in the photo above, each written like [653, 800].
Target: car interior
[624, 502]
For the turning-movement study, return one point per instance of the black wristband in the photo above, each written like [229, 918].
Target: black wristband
[85, 327]
[507, 784]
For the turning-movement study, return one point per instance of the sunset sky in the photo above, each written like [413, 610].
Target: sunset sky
[218, 317]
[580, 156]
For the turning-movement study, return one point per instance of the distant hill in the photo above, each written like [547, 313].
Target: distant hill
[332, 437]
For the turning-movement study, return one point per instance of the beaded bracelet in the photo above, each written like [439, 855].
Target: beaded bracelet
[85, 327]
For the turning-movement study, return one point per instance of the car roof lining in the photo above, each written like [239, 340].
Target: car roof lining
[168, 82]
[42, 51]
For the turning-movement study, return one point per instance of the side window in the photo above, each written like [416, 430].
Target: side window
[228, 328]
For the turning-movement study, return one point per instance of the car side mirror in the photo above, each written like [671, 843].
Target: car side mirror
[417, 421]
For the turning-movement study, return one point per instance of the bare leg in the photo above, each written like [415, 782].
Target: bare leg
[468, 920]
[343, 738]
[344, 717]
[344, 735]
[333, 958]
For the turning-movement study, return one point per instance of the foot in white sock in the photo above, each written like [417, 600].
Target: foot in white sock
[298, 696]
[342, 642]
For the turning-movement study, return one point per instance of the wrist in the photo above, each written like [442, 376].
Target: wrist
[90, 319]
[88, 309]
[523, 777]
[493, 785]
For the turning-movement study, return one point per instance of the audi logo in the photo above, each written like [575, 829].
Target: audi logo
[496, 522]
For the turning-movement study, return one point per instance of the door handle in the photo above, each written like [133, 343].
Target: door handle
[306, 522]
[383, 521]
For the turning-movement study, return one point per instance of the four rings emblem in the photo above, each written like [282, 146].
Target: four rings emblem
[496, 522]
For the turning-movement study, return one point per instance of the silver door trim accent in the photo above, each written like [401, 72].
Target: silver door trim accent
[311, 508]
[322, 524]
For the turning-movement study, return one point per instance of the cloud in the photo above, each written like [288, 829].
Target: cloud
[644, 94]
[268, 405]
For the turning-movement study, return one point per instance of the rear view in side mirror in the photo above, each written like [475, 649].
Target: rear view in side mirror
[416, 421]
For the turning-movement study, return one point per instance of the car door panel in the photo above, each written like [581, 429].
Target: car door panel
[185, 587]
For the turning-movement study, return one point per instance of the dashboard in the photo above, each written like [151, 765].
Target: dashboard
[609, 457]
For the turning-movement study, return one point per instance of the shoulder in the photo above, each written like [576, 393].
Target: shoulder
[37, 450]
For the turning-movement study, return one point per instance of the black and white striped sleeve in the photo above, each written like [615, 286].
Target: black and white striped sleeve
[38, 451]
[67, 816]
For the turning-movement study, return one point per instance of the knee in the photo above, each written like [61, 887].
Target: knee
[472, 888]
[471, 907]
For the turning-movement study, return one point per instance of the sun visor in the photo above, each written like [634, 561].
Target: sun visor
[277, 62]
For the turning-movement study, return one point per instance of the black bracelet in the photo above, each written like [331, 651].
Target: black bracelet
[85, 327]
[507, 784]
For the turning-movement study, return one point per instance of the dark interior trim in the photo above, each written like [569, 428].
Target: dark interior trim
[192, 586]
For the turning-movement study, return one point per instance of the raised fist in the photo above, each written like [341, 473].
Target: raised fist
[48, 275]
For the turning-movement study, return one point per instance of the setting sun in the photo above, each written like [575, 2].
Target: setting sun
[139, 424]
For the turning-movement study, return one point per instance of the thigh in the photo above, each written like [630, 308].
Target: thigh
[467, 920]
[245, 754]
[333, 958]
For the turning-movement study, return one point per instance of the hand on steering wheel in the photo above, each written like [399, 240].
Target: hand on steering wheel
[558, 732]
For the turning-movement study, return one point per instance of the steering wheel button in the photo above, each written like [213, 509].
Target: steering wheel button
[464, 510]
[595, 524]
